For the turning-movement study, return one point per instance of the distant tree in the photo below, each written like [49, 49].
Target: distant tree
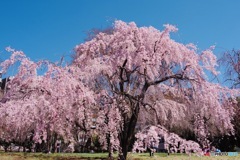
[172, 142]
[231, 63]
[230, 141]
[236, 120]
[125, 64]
[43, 107]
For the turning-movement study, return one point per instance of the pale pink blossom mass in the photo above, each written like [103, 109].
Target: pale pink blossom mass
[118, 78]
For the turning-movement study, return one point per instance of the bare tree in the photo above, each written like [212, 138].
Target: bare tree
[230, 62]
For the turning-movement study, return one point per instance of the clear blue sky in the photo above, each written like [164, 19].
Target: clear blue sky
[48, 29]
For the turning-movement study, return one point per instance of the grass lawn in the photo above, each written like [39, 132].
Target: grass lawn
[55, 156]
[98, 156]
[178, 157]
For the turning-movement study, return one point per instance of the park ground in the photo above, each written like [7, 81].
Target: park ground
[103, 156]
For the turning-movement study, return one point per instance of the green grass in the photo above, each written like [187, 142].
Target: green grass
[162, 156]
[98, 156]
[55, 156]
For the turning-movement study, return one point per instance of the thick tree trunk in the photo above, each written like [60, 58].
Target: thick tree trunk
[127, 135]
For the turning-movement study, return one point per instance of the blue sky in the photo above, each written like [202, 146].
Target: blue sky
[49, 29]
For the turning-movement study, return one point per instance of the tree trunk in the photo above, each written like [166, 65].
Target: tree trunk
[5, 148]
[127, 135]
[110, 155]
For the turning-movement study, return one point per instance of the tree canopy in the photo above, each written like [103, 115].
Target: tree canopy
[130, 60]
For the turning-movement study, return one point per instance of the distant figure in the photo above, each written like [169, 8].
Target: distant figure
[151, 149]
[206, 151]
[58, 146]
[218, 150]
